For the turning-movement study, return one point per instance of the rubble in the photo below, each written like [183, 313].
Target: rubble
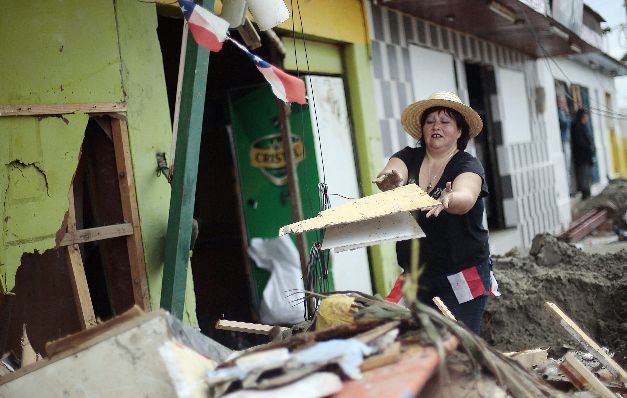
[592, 289]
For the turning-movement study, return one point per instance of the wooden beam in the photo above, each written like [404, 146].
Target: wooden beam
[126, 182]
[575, 331]
[60, 109]
[245, 327]
[83, 338]
[98, 233]
[78, 279]
[189, 131]
[579, 374]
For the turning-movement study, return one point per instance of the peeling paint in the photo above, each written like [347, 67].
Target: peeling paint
[38, 157]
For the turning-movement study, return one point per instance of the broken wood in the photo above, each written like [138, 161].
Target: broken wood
[392, 354]
[529, 358]
[406, 198]
[130, 212]
[98, 233]
[582, 377]
[590, 345]
[245, 327]
[78, 279]
[60, 109]
[78, 340]
[377, 332]
[443, 308]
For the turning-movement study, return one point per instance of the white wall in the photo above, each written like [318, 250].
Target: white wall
[597, 84]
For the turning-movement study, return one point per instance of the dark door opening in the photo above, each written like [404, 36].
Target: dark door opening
[224, 287]
[481, 84]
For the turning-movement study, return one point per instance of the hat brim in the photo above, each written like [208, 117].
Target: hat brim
[410, 119]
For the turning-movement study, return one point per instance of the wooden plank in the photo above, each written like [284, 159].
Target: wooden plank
[406, 198]
[60, 109]
[98, 233]
[78, 279]
[590, 345]
[131, 214]
[392, 354]
[443, 308]
[529, 358]
[591, 382]
[245, 327]
[83, 338]
[188, 138]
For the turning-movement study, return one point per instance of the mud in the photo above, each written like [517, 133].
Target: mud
[591, 289]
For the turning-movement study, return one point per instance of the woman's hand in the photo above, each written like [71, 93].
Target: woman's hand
[445, 202]
[388, 179]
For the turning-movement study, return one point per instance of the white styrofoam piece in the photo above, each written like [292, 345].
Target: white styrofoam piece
[395, 227]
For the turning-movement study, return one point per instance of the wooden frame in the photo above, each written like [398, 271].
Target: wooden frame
[130, 229]
[60, 109]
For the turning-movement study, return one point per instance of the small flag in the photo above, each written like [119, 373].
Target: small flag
[208, 29]
[467, 284]
[286, 87]
[494, 286]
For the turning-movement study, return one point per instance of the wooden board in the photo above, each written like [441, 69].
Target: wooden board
[60, 109]
[575, 331]
[407, 198]
[98, 233]
[82, 339]
[582, 375]
[245, 327]
[78, 279]
[130, 212]
[529, 358]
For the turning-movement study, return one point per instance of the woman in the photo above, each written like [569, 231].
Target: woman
[583, 152]
[454, 255]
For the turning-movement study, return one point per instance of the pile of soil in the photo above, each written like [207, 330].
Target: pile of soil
[591, 289]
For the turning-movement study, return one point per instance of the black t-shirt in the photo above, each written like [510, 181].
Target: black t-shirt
[452, 242]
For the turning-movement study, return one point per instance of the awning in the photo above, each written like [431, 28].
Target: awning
[510, 23]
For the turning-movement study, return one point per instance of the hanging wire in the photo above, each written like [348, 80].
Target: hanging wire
[547, 57]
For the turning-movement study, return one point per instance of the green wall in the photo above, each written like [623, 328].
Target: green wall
[359, 81]
[81, 52]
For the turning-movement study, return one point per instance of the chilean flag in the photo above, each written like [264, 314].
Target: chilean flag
[467, 285]
[208, 29]
[285, 87]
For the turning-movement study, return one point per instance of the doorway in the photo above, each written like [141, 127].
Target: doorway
[481, 83]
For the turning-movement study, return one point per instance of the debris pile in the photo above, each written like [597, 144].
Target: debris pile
[591, 288]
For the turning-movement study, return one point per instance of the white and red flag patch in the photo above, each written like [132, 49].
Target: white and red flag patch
[467, 284]
[208, 29]
[285, 87]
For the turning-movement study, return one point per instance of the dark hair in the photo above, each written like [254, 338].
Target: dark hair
[579, 114]
[463, 139]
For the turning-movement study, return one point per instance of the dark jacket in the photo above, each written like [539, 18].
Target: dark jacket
[583, 149]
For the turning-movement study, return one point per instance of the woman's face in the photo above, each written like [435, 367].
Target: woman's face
[440, 131]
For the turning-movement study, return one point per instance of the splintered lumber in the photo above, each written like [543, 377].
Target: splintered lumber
[443, 308]
[245, 327]
[529, 358]
[582, 377]
[392, 354]
[406, 198]
[590, 345]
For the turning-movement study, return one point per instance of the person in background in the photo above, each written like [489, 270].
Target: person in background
[583, 152]
[565, 120]
[454, 255]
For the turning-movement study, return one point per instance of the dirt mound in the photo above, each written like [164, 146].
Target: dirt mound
[591, 289]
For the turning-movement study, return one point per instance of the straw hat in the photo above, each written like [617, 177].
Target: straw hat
[410, 119]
